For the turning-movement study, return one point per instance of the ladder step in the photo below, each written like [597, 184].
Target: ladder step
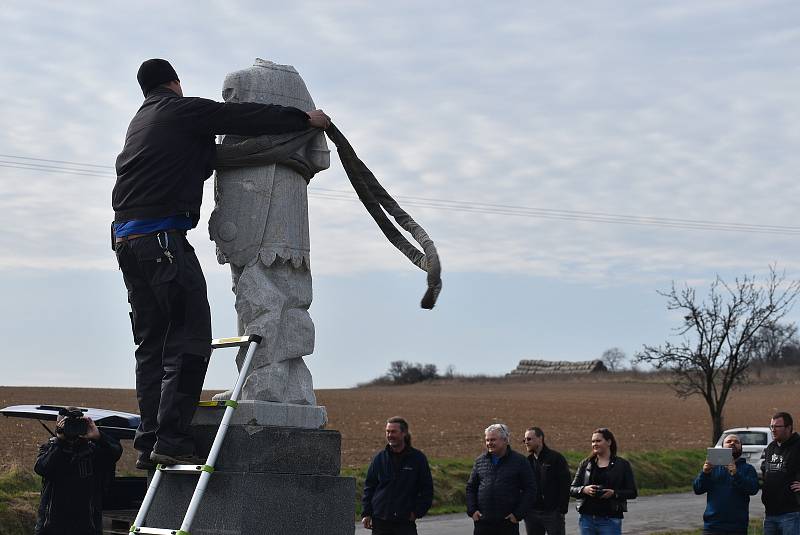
[185, 468]
[236, 341]
[223, 403]
[157, 531]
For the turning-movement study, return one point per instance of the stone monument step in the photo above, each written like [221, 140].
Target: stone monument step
[265, 449]
[247, 503]
[255, 412]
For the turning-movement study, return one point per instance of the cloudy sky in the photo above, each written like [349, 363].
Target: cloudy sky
[568, 159]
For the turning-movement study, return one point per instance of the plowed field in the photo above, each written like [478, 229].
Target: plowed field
[447, 419]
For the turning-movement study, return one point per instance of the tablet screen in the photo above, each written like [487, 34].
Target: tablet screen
[719, 456]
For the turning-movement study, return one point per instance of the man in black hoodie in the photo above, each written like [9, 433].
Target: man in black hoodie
[169, 152]
[781, 468]
[398, 488]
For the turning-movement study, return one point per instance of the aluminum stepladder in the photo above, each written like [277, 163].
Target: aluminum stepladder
[251, 342]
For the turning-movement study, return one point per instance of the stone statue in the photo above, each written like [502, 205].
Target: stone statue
[260, 226]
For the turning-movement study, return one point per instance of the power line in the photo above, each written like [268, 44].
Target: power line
[56, 161]
[93, 170]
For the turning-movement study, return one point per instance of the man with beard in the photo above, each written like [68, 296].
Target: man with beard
[398, 488]
[781, 468]
[728, 490]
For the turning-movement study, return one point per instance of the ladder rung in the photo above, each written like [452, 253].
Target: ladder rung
[236, 341]
[157, 531]
[223, 403]
[188, 468]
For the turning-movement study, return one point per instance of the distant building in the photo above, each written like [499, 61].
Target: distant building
[558, 367]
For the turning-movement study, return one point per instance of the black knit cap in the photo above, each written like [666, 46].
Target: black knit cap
[153, 73]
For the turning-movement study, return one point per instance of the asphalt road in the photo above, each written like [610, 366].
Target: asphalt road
[649, 514]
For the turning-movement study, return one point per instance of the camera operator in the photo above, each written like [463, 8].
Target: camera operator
[76, 466]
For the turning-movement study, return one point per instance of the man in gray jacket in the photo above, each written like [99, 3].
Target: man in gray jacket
[501, 488]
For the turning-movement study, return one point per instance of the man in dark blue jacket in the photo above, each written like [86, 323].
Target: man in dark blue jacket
[501, 488]
[169, 152]
[728, 490]
[399, 486]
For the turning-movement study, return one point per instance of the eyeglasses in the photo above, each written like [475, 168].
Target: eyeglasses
[774, 427]
[527, 439]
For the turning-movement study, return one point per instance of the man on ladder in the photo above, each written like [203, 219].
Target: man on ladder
[169, 152]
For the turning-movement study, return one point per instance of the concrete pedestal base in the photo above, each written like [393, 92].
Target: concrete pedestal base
[270, 504]
[267, 413]
[268, 480]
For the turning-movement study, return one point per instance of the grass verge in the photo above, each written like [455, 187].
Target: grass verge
[656, 472]
[19, 498]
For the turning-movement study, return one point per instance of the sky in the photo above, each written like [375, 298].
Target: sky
[569, 160]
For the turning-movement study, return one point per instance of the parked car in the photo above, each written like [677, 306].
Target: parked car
[124, 496]
[754, 442]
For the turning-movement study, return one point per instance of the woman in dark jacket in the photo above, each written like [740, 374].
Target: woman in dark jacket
[603, 483]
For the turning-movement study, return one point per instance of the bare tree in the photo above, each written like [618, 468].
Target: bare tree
[712, 356]
[772, 341]
[614, 359]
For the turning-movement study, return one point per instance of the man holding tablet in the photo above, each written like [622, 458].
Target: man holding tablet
[728, 482]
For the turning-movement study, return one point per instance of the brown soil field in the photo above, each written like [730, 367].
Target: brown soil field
[447, 418]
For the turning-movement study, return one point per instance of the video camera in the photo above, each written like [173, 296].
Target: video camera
[74, 424]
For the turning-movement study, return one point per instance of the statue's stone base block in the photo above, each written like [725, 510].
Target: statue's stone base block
[249, 503]
[268, 480]
[253, 412]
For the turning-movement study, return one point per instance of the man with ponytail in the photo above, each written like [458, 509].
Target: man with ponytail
[399, 487]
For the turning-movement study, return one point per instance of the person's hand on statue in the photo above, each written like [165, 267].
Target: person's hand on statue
[318, 119]
[367, 521]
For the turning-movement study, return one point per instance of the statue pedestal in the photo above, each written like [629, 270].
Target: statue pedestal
[266, 413]
[268, 479]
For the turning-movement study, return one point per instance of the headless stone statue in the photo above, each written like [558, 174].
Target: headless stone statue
[260, 226]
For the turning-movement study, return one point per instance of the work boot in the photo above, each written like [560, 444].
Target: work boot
[168, 460]
[143, 462]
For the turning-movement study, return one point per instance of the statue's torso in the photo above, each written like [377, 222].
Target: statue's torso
[262, 211]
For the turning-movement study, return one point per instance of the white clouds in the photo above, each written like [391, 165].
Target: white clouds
[633, 110]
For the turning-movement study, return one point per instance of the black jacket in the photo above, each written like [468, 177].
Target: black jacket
[619, 478]
[781, 466]
[169, 150]
[497, 491]
[397, 485]
[74, 478]
[552, 481]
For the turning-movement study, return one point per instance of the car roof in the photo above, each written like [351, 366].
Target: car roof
[118, 424]
[735, 429]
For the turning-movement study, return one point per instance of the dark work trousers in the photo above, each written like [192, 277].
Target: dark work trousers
[384, 527]
[496, 527]
[171, 324]
[544, 522]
